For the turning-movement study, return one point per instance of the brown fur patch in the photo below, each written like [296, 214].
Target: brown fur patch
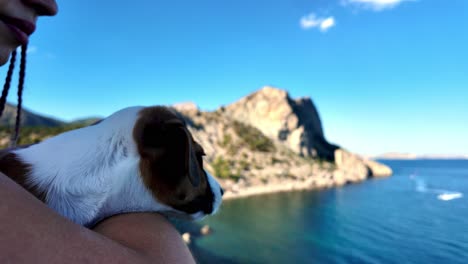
[163, 144]
[11, 166]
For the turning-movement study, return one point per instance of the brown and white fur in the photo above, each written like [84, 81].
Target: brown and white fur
[140, 159]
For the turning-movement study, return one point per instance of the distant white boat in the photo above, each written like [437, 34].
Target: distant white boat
[449, 196]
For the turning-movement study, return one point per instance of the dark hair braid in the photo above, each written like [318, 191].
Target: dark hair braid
[6, 88]
[22, 75]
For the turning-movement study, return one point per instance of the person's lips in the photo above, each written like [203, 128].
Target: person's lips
[21, 28]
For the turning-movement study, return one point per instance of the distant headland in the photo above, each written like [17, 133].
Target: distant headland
[412, 156]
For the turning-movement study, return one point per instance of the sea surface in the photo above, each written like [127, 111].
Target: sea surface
[419, 215]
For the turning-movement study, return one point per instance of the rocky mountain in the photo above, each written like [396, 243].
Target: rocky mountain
[293, 122]
[268, 142]
[28, 118]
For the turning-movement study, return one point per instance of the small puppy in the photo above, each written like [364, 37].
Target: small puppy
[140, 159]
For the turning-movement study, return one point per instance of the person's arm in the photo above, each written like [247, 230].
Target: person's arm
[149, 234]
[30, 232]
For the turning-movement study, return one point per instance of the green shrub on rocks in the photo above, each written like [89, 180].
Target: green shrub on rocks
[227, 140]
[222, 169]
[231, 146]
[253, 137]
[244, 165]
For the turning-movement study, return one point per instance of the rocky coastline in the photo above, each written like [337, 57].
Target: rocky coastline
[354, 172]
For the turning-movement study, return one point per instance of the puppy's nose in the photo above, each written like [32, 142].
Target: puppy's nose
[222, 191]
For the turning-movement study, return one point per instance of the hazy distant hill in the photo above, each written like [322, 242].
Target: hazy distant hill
[412, 156]
[35, 127]
[86, 121]
[28, 118]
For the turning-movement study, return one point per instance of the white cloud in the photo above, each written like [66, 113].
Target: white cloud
[376, 5]
[31, 50]
[322, 23]
[327, 23]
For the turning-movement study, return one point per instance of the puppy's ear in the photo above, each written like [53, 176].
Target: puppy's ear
[152, 138]
[171, 143]
[192, 168]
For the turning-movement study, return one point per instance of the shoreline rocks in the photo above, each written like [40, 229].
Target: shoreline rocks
[355, 171]
[206, 230]
[187, 238]
[363, 168]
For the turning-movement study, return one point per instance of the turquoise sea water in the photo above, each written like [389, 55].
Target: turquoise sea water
[420, 215]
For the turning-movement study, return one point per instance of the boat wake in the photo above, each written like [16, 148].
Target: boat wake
[443, 195]
[450, 196]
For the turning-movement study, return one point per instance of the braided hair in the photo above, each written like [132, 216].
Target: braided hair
[6, 88]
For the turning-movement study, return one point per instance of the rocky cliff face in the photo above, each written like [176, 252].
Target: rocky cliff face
[268, 141]
[246, 161]
[292, 122]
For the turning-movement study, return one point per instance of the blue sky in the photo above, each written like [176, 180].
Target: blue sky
[386, 75]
